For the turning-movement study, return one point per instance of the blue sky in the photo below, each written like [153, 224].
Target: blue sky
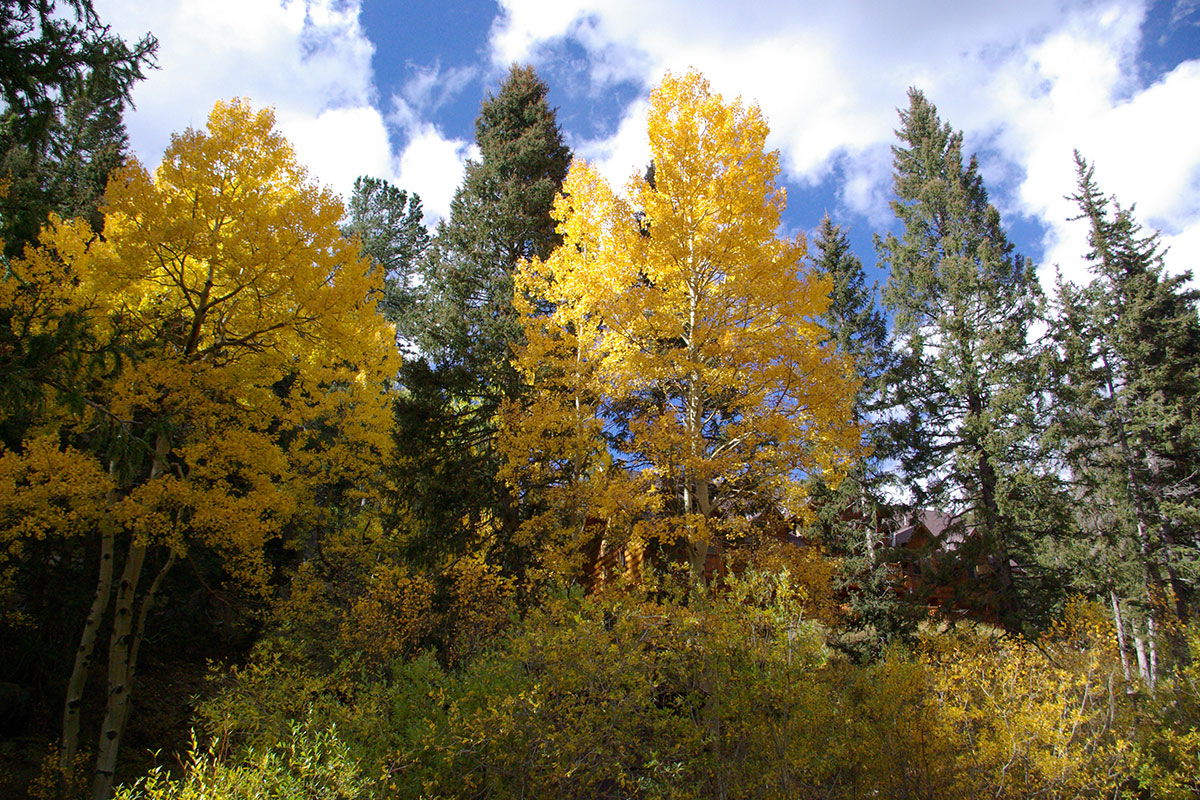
[392, 89]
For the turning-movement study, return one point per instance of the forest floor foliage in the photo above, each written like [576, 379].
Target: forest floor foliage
[664, 691]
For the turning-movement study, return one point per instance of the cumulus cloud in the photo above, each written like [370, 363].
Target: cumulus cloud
[309, 59]
[1027, 80]
[626, 152]
[432, 166]
[340, 144]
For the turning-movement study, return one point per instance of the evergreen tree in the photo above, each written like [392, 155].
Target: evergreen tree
[64, 83]
[389, 224]
[963, 388]
[1129, 365]
[848, 518]
[446, 425]
[66, 172]
[45, 52]
[856, 326]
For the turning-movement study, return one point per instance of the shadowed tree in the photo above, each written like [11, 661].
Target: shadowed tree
[465, 327]
[1128, 347]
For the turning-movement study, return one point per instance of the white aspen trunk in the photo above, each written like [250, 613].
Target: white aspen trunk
[1139, 647]
[119, 673]
[698, 481]
[123, 645]
[147, 604]
[1121, 648]
[118, 710]
[72, 704]
[1152, 636]
[83, 654]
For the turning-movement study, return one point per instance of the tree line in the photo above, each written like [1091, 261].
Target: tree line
[372, 469]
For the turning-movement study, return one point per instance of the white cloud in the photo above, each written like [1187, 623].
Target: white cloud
[431, 86]
[340, 144]
[1031, 80]
[432, 166]
[1141, 140]
[623, 154]
[310, 60]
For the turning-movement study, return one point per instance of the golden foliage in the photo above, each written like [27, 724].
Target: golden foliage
[1036, 718]
[481, 603]
[248, 322]
[46, 490]
[680, 316]
[391, 618]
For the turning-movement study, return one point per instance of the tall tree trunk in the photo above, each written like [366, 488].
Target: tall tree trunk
[1152, 636]
[1153, 577]
[77, 684]
[73, 703]
[1117, 621]
[124, 642]
[119, 673]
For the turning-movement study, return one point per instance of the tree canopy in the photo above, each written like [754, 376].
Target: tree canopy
[697, 324]
[242, 362]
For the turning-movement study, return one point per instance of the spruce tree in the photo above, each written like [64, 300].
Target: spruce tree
[963, 390]
[389, 224]
[46, 51]
[446, 423]
[848, 517]
[1128, 347]
[64, 83]
[65, 171]
[856, 326]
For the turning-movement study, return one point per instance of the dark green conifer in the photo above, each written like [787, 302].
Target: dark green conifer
[963, 391]
[446, 421]
[389, 224]
[64, 83]
[855, 324]
[850, 518]
[1128, 347]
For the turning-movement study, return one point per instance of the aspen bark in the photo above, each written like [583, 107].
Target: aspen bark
[1116, 607]
[1152, 637]
[119, 673]
[123, 645]
[77, 683]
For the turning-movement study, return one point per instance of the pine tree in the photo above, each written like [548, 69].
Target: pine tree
[64, 83]
[1128, 355]
[856, 326]
[45, 51]
[446, 423]
[389, 224]
[963, 388]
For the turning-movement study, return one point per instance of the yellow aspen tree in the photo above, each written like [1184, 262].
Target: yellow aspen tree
[254, 370]
[553, 443]
[712, 381]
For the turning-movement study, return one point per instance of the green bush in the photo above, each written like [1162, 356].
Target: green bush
[310, 765]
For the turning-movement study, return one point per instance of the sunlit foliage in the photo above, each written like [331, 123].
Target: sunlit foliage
[236, 364]
[675, 330]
